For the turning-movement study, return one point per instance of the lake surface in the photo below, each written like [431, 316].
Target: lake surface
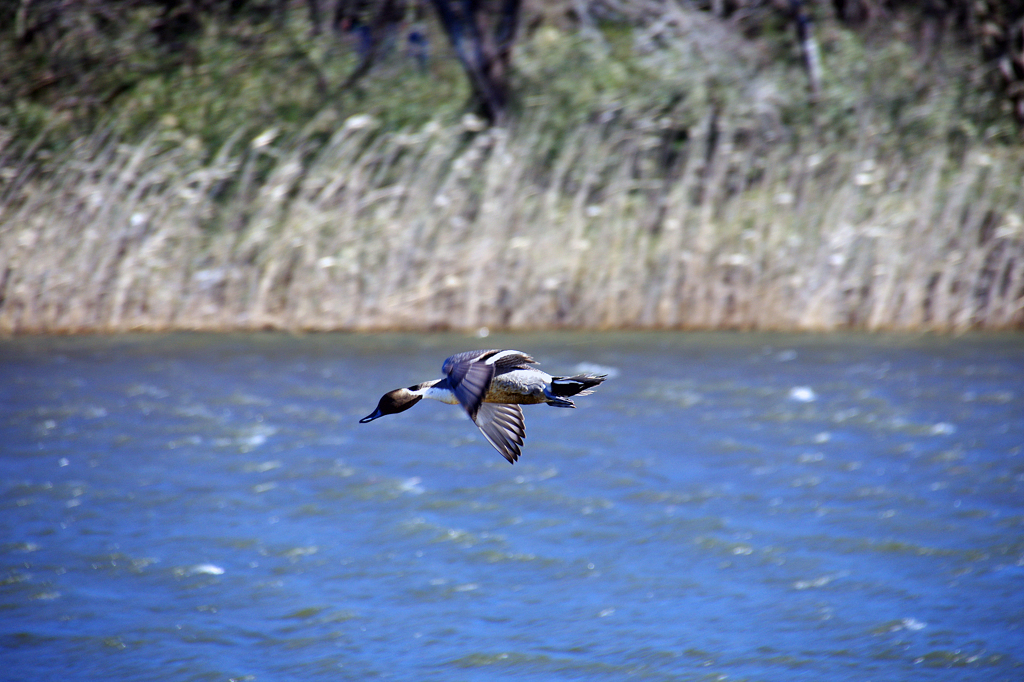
[724, 507]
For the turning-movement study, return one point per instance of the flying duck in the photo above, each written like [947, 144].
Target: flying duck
[491, 385]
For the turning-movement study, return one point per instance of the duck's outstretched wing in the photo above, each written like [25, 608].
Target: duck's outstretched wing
[469, 379]
[503, 426]
[508, 360]
[469, 374]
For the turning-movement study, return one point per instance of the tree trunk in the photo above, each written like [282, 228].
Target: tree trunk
[482, 34]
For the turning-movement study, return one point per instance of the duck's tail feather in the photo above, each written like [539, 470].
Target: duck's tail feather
[563, 387]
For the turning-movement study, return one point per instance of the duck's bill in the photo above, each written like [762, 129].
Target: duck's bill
[370, 417]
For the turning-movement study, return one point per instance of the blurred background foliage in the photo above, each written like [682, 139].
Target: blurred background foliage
[209, 69]
[316, 164]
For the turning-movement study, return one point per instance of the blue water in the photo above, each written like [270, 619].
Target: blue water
[724, 507]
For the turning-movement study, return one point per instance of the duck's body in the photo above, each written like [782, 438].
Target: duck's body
[491, 385]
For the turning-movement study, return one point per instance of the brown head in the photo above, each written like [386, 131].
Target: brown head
[393, 402]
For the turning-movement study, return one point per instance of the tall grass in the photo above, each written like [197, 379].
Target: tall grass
[667, 177]
[618, 224]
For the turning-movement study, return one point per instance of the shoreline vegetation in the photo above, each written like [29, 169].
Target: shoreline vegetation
[676, 184]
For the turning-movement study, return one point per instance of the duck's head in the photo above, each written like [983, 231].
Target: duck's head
[393, 402]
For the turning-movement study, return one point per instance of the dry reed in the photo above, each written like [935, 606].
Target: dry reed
[622, 226]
